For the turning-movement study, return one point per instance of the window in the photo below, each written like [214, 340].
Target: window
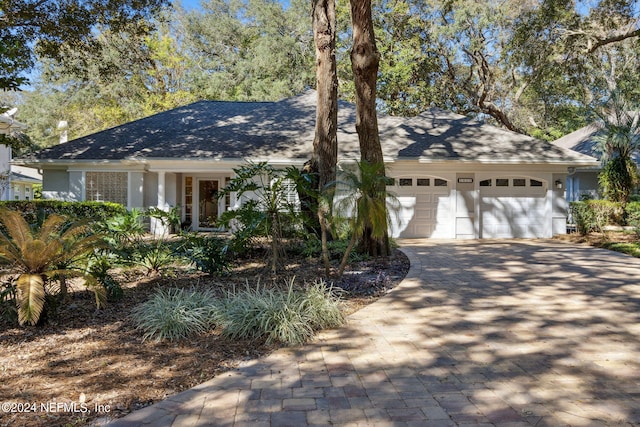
[423, 182]
[485, 183]
[287, 194]
[519, 182]
[227, 196]
[405, 182]
[502, 182]
[106, 187]
[290, 191]
[535, 183]
[439, 182]
[390, 182]
[188, 198]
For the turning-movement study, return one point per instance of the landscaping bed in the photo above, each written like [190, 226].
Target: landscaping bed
[619, 240]
[86, 365]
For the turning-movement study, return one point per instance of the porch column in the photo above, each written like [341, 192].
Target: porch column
[548, 228]
[157, 227]
[161, 191]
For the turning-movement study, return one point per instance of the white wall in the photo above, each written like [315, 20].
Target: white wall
[55, 185]
[5, 185]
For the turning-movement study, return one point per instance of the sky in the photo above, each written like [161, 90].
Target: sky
[189, 4]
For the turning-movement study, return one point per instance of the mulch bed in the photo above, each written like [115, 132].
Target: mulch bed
[86, 364]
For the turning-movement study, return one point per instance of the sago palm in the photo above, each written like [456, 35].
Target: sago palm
[36, 256]
[366, 203]
[619, 142]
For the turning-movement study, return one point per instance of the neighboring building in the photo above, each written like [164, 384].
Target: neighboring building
[16, 182]
[22, 181]
[582, 182]
[455, 177]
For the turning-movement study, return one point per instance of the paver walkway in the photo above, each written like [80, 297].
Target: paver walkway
[480, 333]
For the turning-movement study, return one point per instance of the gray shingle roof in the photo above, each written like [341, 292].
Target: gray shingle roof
[585, 141]
[582, 140]
[19, 177]
[285, 130]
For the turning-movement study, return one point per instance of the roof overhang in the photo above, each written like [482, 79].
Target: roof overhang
[182, 165]
[9, 125]
[23, 179]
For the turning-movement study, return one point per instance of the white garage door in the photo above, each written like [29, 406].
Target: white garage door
[424, 208]
[513, 207]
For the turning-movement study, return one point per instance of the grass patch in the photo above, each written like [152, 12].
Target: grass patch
[629, 248]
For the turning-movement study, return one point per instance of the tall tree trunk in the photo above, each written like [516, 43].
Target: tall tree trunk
[365, 60]
[325, 143]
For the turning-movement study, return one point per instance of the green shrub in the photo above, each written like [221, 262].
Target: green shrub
[607, 212]
[270, 212]
[123, 229]
[208, 254]
[155, 257]
[583, 217]
[633, 216]
[312, 248]
[594, 215]
[286, 316]
[174, 314]
[8, 305]
[99, 268]
[34, 210]
[170, 219]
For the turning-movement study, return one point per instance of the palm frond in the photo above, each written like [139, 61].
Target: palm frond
[38, 256]
[17, 228]
[367, 198]
[98, 290]
[51, 227]
[9, 253]
[75, 249]
[75, 230]
[30, 298]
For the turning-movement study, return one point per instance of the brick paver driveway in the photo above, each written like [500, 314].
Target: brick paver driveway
[504, 333]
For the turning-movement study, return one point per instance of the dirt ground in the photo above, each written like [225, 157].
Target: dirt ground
[89, 364]
[599, 239]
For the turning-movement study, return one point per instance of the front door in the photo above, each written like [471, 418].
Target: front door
[207, 203]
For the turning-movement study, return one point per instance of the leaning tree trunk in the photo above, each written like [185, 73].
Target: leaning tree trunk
[325, 143]
[365, 60]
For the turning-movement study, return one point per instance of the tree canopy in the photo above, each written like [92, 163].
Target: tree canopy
[533, 67]
[536, 67]
[50, 28]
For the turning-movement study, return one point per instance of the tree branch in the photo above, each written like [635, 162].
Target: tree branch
[613, 39]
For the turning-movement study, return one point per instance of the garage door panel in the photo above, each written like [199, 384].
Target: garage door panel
[424, 212]
[513, 216]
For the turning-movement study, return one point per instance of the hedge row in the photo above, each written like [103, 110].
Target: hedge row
[32, 210]
[594, 215]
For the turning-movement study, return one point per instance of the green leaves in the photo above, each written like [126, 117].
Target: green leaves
[174, 314]
[619, 141]
[256, 50]
[49, 28]
[289, 316]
